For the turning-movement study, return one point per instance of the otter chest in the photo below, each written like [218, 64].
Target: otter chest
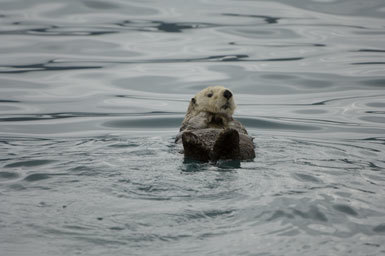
[217, 122]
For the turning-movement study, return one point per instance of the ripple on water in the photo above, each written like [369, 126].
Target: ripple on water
[307, 178]
[29, 163]
[345, 209]
[380, 228]
[8, 175]
[36, 177]
[81, 81]
[150, 122]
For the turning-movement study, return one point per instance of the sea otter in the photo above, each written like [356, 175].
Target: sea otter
[209, 132]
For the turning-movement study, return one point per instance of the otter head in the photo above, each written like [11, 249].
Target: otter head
[214, 99]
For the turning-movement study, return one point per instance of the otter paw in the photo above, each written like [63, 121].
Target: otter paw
[194, 148]
[226, 145]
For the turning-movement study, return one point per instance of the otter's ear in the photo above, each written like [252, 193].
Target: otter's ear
[193, 101]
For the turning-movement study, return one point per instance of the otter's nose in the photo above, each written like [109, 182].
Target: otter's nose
[227, 94]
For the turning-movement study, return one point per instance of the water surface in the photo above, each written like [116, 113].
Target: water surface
[92, 94]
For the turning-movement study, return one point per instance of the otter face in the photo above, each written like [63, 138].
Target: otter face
[214, 99]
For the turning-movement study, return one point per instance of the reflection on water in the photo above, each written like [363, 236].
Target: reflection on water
[92, 94]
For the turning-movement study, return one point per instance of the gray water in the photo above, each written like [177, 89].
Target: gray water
[92, 94]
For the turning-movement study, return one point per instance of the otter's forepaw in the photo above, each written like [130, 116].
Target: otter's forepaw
[194, 148]
[226, 146]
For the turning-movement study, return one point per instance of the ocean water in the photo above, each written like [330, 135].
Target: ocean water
[92, 94]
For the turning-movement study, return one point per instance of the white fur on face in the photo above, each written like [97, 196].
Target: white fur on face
[212, 100]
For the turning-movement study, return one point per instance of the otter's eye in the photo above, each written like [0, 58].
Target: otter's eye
[210, 95]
